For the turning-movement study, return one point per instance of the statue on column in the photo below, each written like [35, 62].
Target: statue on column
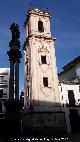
[14, 57]
[15, 31]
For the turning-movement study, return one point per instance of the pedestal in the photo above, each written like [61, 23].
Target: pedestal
[13, 118]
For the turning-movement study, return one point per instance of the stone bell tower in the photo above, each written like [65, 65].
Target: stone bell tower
[41, 80]
[42, 109]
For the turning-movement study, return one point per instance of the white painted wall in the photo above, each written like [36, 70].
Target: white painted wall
[64, 93]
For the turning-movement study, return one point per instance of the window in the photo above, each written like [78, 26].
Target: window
[71, 98]
[45, 81]
[0, 106]
[55, 118]
[1, 93]
[5, 95]
[40, 26]
[1, 79]
[27, 69]
[43, 59]
[79, 88]
[28, 91]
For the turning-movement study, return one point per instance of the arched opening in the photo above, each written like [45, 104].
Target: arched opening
[40, 26]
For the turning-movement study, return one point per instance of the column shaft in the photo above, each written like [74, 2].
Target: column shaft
[11, 81]
[17, 80]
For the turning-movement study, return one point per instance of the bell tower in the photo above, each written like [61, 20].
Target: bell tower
[41, 80]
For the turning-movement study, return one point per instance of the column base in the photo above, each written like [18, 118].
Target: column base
[13, 118]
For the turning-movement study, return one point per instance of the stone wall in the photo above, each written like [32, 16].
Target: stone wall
[50, 122]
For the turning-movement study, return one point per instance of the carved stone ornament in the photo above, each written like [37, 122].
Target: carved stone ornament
[43, 49]
[46, 91]
[45, 68]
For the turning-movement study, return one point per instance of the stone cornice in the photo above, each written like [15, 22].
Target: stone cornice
[37, 37]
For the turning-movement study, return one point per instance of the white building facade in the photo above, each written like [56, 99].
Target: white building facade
[70, 102]
[69, 89]
[4, 87]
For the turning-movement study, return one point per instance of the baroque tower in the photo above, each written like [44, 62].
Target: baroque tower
[41, 80]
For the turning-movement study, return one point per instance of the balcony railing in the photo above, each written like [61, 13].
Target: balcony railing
[3, 81]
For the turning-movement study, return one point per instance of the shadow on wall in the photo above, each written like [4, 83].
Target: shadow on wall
[74, 120]
[41, 119]
[50, 118]
[44, 119]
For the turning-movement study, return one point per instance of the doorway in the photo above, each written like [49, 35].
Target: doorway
[71, 98]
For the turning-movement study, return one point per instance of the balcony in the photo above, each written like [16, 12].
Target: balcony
[3, 96]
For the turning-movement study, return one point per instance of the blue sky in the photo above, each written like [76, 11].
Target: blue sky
[65, 26]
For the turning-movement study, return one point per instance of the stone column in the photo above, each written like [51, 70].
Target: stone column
[17, 80]
[11, 81]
